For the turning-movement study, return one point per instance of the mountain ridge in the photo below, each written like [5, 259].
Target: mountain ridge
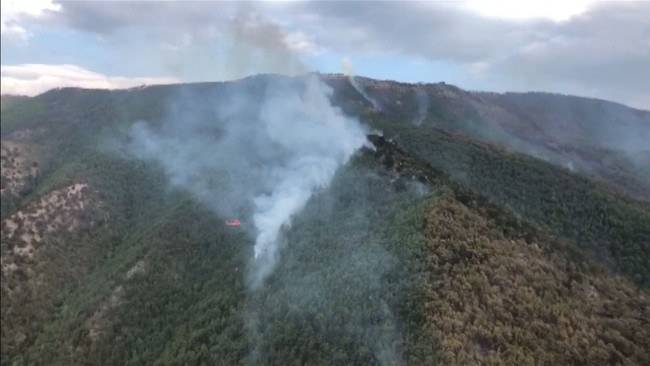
[406, 235]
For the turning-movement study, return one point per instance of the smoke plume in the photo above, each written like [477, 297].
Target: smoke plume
[339, 274]
[348, 69]
[256, 150]
[423, 106]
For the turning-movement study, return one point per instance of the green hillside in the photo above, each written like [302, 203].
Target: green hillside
[432, 247]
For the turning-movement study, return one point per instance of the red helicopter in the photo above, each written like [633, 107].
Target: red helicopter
[233, 222]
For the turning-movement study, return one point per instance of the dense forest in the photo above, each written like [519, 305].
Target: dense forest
[435, 244]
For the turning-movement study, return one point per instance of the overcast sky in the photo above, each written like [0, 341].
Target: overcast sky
[596, 49]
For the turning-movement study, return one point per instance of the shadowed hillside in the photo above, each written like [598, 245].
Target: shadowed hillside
[604, 140]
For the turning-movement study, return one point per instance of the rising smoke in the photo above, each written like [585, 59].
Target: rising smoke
[256, 150]
[348, 69]
[423, 106]
[339, 272]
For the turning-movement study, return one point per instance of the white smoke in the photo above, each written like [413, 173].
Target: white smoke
[258, 150]
[319, 139]
[423, 106]
[569, 165]
[348, 69]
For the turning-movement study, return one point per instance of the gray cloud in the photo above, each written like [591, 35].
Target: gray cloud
[602, 52]
[105, 17]
[196, 41]
[434, 30]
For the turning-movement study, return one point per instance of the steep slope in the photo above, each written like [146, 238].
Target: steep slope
[373, 274]
[433, 248]
[7, 101]
[496, 299]
[43, 254]
[66, 212]
[21, 165]
[609, 226]
[573, 120]
[498, 291]
[603, 140]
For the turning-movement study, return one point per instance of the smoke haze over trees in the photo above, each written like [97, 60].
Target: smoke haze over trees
[385, 239]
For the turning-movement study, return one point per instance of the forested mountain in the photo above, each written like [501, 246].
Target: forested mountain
[470, 228]
[7, 101]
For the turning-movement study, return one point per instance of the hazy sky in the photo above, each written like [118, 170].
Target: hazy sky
[597, 49]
